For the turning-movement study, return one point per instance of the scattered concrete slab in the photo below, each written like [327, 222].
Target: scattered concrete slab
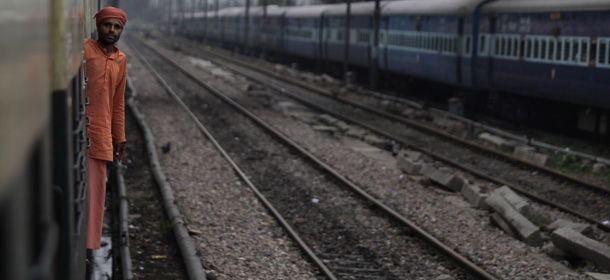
[528, 232]
[343, 126]
[575, 243]
[445, 178]
[325, 128]
[428, 169]
[584, 229]
[306, 117]
[498, 221]
[355, 132]
[286, 107]
[529, 154]
[328, 119]
[598, 276]
[492, 139]
[473, 194]
[408, 165]
[414, 155]
[513, 199]
[372, 139]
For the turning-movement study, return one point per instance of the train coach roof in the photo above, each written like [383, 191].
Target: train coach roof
[231, 12]
[430, 7]
[360, 8]
[306, 11]
[272, 10]
[518, 6]
[254, 11]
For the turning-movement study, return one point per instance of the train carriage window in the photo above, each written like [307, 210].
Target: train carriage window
[453, 44]
[575, 50]
[558, 53]
[496, 46]
[528, 48]
[509, 47]
[602, 52]
[425, 42]
[536, 48]
[502, 47]
[467, 48]
[482, 39]
[543, 49]
[566, 50]
[552, 44]
[516, 45]
[584, 50]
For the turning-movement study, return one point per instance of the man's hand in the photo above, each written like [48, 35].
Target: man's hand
[119, 150]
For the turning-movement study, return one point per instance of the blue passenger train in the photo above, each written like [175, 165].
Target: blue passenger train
[551, 51]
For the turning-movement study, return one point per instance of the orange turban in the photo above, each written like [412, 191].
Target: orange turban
[110, 12]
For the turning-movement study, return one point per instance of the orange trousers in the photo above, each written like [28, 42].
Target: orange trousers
[97, 195]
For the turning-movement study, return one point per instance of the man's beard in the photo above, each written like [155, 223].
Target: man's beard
[109, 41]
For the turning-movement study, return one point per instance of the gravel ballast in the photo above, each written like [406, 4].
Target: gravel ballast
[240, 240]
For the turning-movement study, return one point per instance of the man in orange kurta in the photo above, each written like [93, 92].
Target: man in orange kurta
[106, 69]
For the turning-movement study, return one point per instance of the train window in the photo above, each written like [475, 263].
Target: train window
[559, 50]
[496, 46]
[528, 47]
[482, 47]
[447, 46]
[502, 47]
[509, 47]
[340, 35]
[602, 52]
[551, 49]
[364, 37]
[453, 44]
[566, 50]
[426, 41]
[536, 48]
[543, 49]
[575, 50]
[515, 47]
[467, 48]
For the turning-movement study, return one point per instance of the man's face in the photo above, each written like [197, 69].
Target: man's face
[109, 31]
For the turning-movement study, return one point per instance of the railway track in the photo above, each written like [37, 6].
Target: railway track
[567, 193]
[347, 238]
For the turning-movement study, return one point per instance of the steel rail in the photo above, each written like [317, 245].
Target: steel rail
[461, 260]
[435, 131]
[406, 121]
[227, 157]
